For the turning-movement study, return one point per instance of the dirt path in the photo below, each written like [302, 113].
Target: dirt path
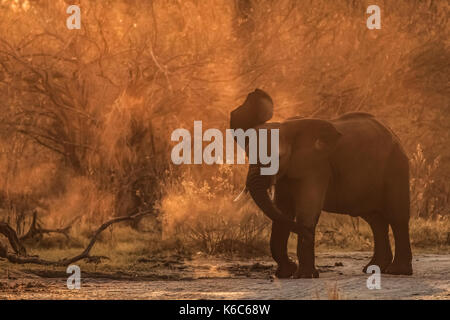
[220, 279]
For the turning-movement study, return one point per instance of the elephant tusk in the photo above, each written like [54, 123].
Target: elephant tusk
[244, 194]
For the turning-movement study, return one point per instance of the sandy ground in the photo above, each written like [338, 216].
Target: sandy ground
[203, 278]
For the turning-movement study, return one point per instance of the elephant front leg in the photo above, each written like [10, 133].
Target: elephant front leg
[278, 247]
[306, 255]
[280, 232]
[308, 206]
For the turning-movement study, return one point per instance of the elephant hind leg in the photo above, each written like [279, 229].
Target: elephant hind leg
[397, 211]
[402, 263]
[382, 255]
[398, 217]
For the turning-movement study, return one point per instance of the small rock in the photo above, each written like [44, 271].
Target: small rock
[338, 264]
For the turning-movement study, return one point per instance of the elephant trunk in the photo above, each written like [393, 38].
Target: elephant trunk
[258, 186]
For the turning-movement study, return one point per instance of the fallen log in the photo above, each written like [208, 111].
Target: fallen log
[22, 258]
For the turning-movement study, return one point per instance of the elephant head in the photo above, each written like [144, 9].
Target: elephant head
[302, 143]
[255, 111]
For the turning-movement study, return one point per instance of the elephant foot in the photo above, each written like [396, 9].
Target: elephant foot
[303, 273]
[382, 264]
[399, 268]
[286, 270]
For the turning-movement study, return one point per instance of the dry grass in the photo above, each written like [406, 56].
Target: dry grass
[126, 247]
[204, 216]
[341, 232]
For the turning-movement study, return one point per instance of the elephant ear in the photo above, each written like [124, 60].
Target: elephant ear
[316, 134]
[284, 144]
[269, 126]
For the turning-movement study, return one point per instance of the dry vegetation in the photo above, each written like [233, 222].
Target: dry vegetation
[86, 115]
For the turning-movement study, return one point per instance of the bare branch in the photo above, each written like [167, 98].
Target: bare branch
[9, 232]
[36, 229]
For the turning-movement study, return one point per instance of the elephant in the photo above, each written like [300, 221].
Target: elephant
[353, 165]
